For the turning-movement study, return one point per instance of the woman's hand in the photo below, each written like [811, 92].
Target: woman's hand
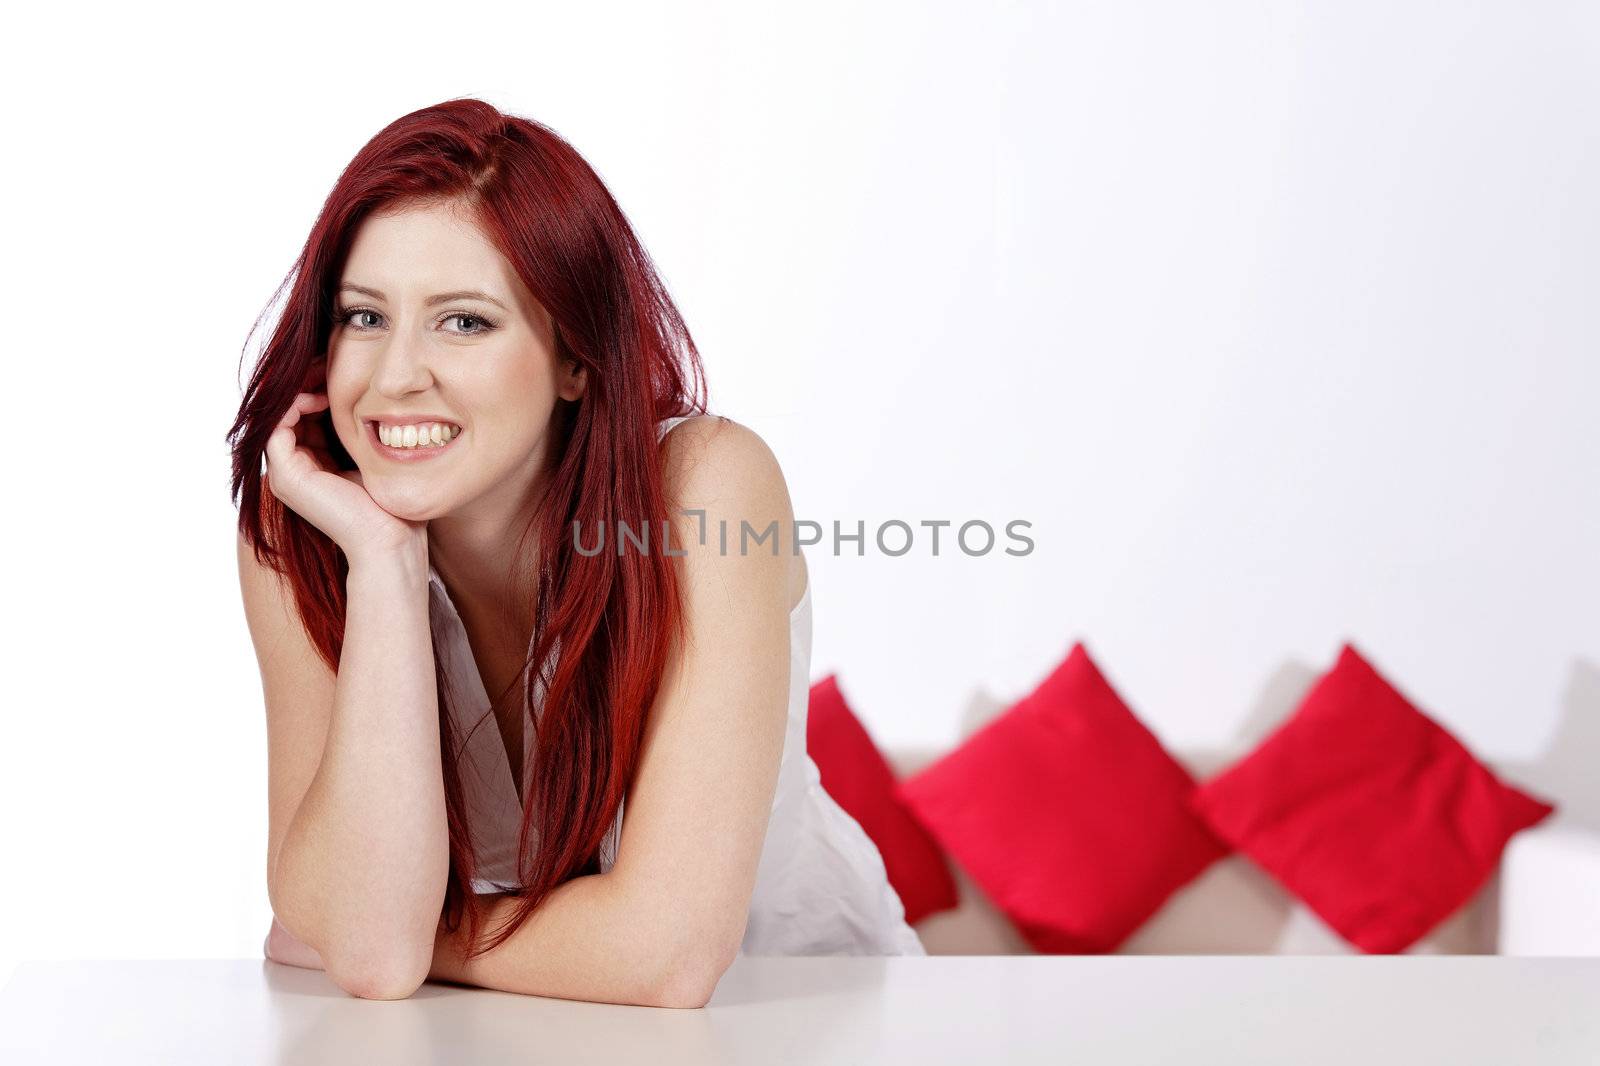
[301, 475]
[282, 946]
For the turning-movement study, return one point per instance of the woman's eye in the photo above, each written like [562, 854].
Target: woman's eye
[344, 318]
[357, 318]
[483, 324]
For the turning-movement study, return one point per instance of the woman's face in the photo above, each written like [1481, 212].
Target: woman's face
[433, 324]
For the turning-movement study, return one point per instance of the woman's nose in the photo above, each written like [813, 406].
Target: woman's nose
[402, 362]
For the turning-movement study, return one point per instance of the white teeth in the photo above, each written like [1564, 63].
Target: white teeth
[426, 435]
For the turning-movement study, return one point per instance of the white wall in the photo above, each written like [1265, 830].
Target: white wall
[1276, 321]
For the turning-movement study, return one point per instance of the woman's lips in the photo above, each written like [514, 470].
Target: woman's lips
[408, 455]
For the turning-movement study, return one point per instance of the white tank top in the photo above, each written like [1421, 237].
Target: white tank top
[820, 886]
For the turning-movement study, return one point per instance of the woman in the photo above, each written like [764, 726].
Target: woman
[459, 456]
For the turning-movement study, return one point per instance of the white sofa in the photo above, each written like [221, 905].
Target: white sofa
[1544, 899]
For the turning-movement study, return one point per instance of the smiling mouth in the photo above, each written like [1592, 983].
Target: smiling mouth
[413, 452]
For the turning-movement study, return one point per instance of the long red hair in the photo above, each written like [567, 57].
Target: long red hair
[615, 614]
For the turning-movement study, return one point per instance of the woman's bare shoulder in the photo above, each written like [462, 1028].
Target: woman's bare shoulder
[716, 464]
[713, 456]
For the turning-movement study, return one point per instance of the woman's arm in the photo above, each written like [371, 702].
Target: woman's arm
[664, 923]
[585, 941]
[360, 869]
[283, 946]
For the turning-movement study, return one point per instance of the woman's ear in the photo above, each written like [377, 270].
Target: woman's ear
[317, 375]
[573, 380]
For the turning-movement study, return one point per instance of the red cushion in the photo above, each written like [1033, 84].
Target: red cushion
[858, 778]
[1368, 810]
[1068, 813]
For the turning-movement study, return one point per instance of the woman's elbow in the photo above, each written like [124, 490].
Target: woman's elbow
[385, 980]
[686, 988]
[377, 986]
[692, 978]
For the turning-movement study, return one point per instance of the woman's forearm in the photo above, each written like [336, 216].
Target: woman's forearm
[283, 946]
[361, 873]
[587, 941]
[616, 980]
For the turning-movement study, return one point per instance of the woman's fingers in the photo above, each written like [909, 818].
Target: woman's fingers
[303, 476]
[283, 440]
[305, 403]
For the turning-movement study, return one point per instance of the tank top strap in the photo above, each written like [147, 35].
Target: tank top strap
[666, 425]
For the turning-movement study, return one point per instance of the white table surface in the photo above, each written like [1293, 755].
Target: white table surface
[901, 1009]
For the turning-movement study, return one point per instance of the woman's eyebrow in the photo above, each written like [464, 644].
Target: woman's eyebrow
[443, 297]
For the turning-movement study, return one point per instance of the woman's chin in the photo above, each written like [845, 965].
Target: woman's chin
[408, 507]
